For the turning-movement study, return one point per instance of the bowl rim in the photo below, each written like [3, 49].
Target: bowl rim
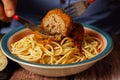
[104, 53]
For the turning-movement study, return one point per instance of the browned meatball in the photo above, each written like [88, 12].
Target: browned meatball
[77, 34]
[57, 23]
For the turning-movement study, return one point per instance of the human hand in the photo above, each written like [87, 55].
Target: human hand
[7, 9]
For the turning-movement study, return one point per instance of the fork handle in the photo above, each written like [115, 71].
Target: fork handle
[88, 2]
[17, 18]
[91, 1]
[21, 20]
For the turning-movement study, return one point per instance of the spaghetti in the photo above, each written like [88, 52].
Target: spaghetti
[55, 53]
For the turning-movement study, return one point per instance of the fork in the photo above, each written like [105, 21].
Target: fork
[78, 8]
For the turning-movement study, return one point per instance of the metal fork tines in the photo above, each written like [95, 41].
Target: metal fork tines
[76, 9]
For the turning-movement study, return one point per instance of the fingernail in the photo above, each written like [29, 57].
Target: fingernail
[10, 13]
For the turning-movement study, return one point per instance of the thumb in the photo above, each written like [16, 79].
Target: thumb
[9, 7]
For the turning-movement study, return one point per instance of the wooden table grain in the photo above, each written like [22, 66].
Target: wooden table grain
[106, 69]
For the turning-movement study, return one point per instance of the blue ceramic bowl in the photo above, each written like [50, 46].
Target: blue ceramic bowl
[56, 70]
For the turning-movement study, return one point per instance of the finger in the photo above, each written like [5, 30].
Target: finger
[2, 13]
[9, 7]
[3, 16]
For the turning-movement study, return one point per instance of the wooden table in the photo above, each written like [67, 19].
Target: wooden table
[106, 69]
